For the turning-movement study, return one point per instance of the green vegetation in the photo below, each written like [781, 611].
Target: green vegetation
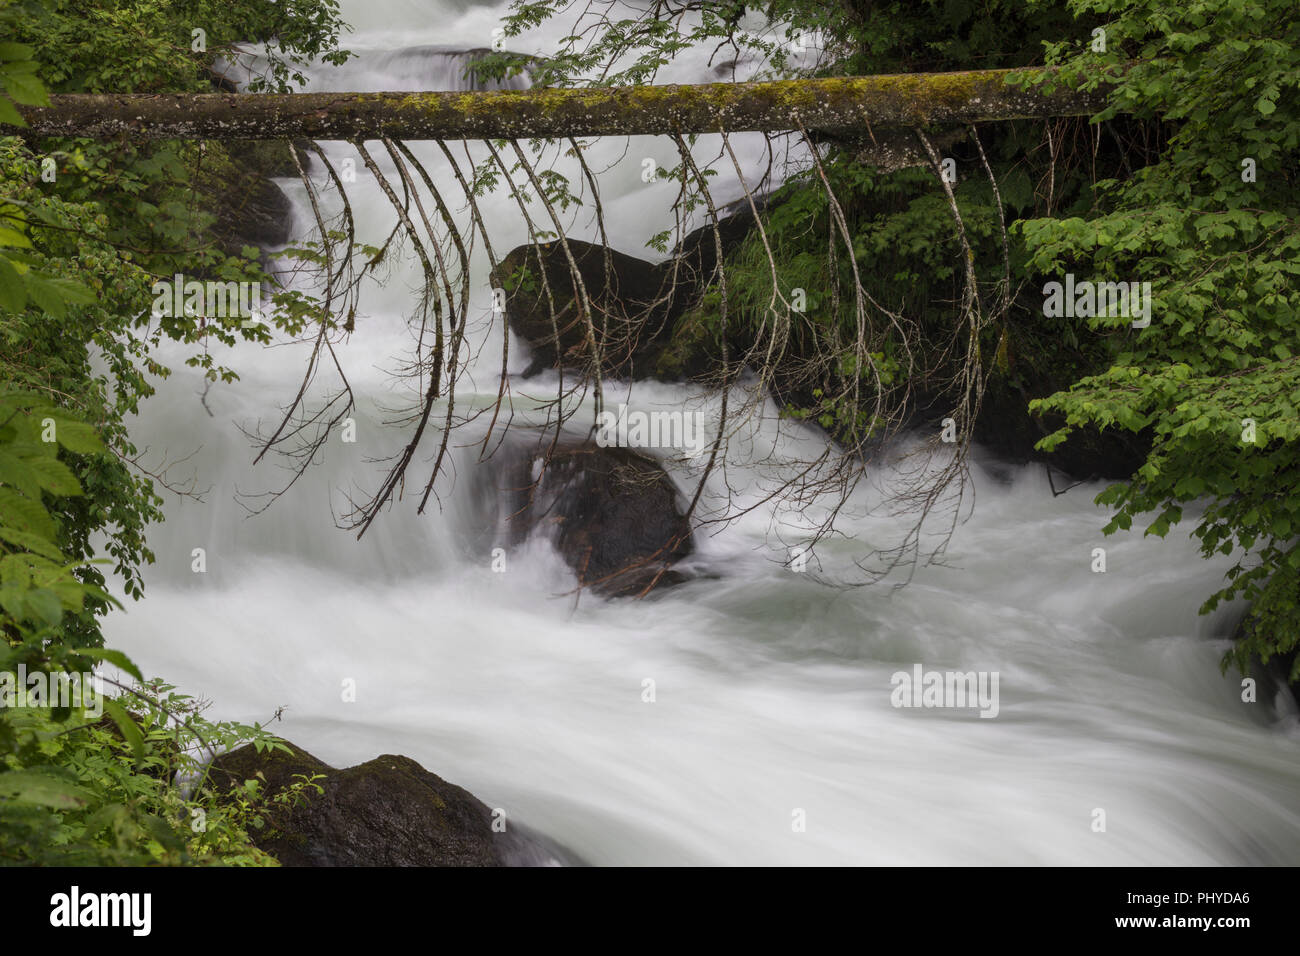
[1214, 225]
[1187, 181]
[84, 780]
[85, 230]
[1193, 189]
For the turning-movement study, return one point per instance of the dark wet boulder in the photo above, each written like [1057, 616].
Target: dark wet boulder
[698, 251]
[613, 515]
[389, 811]
[1006, 428]
[256, 212]
[629, 305]
[238, 185]
[641, 312]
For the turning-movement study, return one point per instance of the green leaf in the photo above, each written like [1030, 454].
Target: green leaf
[25, 88]
[13, 293]
[33, 788]
[46, 297]
[14, 471]
[13, 239]
[73, 292]
[14, 51]
[44, 605]
[25, 514]
[76, 436]
[31, 542]
[55, 477]
[9, 113]
[131, 732]
[116, 658]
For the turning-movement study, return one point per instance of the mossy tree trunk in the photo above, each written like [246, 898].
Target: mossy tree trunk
[839, 104]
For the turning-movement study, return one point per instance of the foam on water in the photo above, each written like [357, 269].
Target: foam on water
[772, 690]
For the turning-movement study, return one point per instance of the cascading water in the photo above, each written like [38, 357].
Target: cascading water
[772, 692]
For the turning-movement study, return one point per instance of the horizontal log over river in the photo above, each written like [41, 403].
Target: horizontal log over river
[836, 104]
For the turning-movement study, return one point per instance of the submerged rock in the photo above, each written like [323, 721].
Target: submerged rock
[613, 515]
[389, 811]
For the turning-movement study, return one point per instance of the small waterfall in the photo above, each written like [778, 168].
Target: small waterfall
[415, 68]
[772, 692]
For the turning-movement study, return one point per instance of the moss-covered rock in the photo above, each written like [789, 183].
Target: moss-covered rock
[389, 811]
[639, 310]
[629, 306]
[691, 351]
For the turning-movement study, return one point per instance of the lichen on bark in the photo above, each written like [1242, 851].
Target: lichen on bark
[826, 104]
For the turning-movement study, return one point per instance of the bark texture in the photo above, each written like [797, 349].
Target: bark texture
[837, 104]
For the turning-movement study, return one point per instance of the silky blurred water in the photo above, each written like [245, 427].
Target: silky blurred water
[772, 690]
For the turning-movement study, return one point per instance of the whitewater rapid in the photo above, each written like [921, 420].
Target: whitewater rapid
[771, 691]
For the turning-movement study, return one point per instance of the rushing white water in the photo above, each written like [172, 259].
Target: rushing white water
[772, 691]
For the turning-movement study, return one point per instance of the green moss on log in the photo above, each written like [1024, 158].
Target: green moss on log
[826, 104]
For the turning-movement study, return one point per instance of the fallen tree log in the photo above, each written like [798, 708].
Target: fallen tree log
[837, 104]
